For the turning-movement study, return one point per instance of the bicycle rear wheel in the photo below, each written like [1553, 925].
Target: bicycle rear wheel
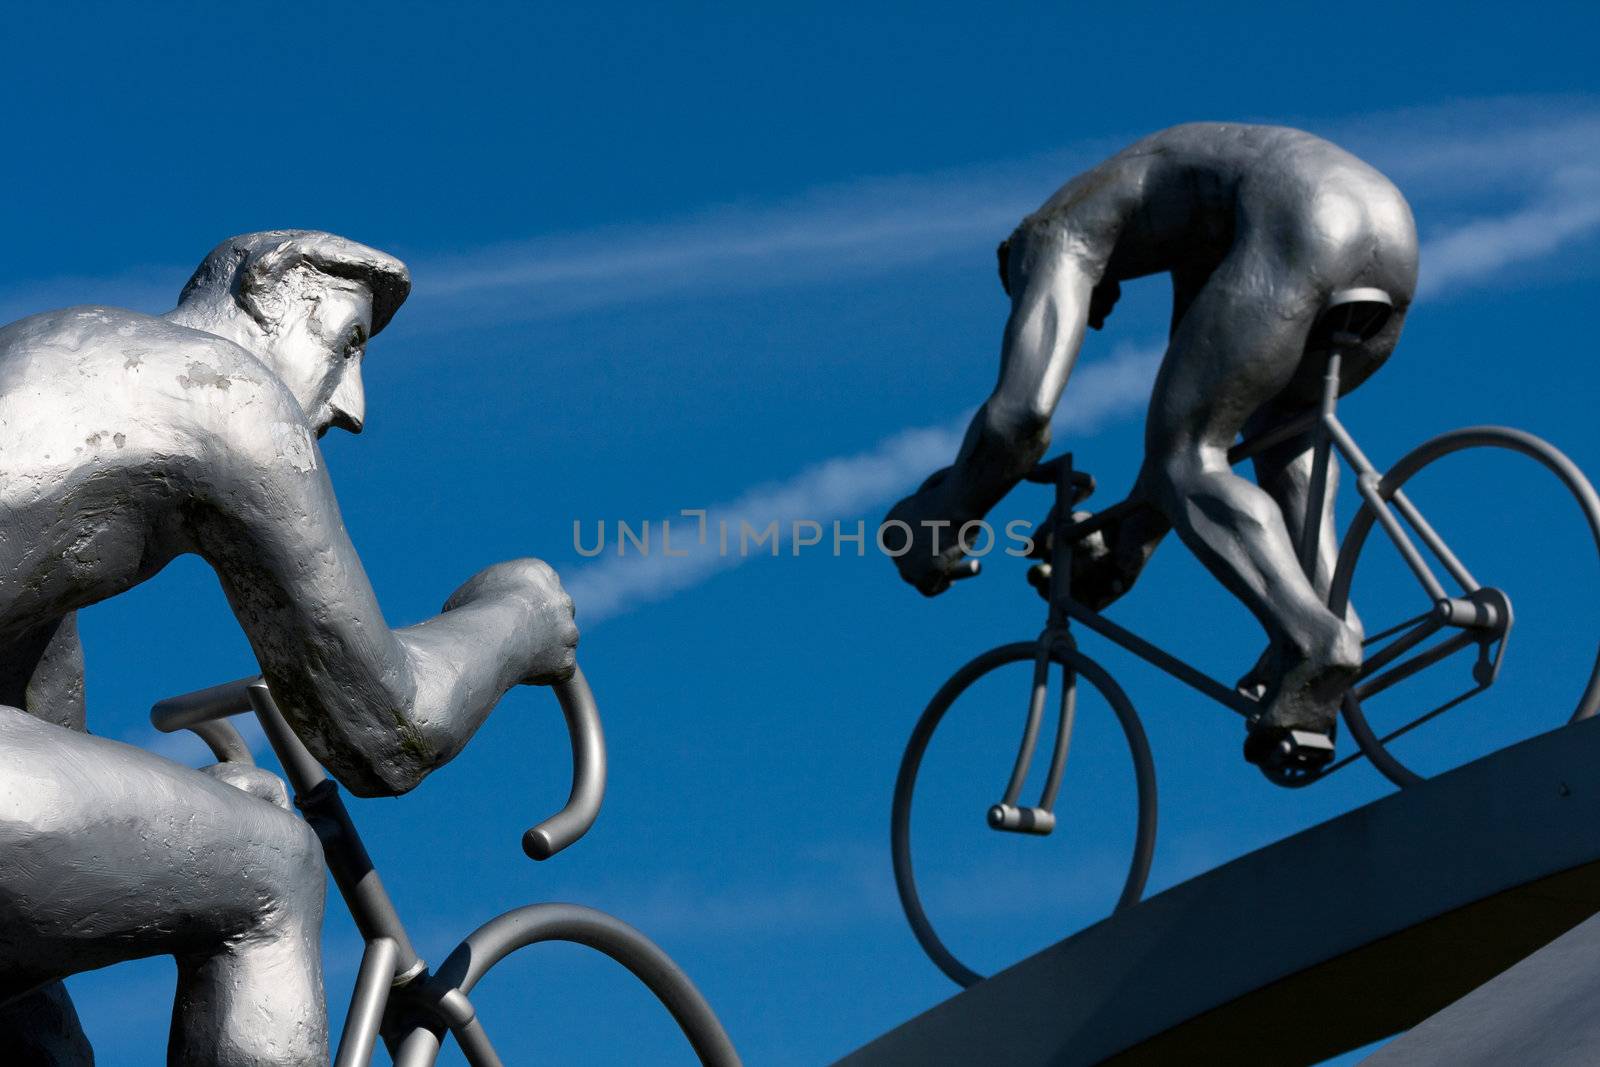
[1524, 551]
[1074, 667]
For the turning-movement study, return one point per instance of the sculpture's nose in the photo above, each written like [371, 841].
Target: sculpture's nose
[349, 401]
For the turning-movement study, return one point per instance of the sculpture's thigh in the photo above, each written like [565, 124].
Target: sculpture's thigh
[113, 853]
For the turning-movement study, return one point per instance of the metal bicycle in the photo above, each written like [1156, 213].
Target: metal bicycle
[396, 996]
[1469, 613]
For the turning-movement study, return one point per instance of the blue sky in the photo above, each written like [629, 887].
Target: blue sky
[736, 259]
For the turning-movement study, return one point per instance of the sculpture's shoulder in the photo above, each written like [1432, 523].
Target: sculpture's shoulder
[1224, 145]
[151, 380]
[83, 336]
[87, 348]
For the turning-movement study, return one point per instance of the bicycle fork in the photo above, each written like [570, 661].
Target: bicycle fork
[1041, 819]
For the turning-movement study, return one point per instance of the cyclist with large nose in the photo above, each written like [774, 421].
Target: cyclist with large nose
[127, 440]
[1258, 226]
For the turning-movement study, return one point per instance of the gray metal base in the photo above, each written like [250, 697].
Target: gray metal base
[1321, 943]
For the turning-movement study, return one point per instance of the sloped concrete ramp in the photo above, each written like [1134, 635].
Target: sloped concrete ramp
[1343, 934]
[1540, 1012]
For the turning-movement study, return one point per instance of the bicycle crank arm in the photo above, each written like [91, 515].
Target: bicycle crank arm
[1017, 820]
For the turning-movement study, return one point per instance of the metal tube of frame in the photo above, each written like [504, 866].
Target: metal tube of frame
[1073, 532]
[475, 1046]
[1435, 543]
[299, 765]
[1311, 531]
[419, 1048]
[1403, 644]
[358, 881]
[1421, 661]
[317, 797]
[367, 1003]
[1368, 484]
[1276, 436]
[1180, 670]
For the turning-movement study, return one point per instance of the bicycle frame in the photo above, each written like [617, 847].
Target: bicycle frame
[395, 995]
[1483, 616]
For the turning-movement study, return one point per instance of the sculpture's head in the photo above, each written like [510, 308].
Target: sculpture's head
[305, 303]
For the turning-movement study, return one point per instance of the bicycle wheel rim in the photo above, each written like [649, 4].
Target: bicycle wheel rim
[911, 762]
[1501, 437]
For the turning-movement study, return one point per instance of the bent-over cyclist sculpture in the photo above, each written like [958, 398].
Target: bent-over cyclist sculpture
[1258, 226]
[127, 440]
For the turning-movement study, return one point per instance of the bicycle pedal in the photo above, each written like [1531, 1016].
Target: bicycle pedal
[1305, 748]
[1017, 820]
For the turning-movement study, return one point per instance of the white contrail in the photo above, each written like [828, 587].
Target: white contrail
[876, 225]
[1569, 210]
[847, 486]
[873, 226]
[844, 487]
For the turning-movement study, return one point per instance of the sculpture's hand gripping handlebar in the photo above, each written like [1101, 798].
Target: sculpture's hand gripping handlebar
[193, 710]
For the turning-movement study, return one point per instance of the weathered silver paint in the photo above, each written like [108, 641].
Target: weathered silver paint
[127, 440]
[1258, 226]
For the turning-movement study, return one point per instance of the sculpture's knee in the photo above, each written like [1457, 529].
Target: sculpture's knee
[289, 865]
[261, 784]
[1171, 479]
[1198, 487]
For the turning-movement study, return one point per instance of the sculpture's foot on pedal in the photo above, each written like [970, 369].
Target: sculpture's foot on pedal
[1288, 757]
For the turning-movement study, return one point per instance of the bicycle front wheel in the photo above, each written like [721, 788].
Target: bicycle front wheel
[1074, 669]
[1515, 539]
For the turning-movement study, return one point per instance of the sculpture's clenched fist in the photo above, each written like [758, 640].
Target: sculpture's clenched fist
[534, 586]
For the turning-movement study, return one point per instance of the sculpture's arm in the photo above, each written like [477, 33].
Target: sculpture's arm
[379, 707]
[1051, 291]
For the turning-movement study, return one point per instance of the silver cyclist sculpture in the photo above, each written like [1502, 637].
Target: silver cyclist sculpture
[1292, 265]
[127, 440]
[1259, 227]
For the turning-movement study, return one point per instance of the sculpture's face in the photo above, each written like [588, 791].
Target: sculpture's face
[317, 351]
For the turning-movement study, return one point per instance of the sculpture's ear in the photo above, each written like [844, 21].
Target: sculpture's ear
[1003, 254]
[267, 284]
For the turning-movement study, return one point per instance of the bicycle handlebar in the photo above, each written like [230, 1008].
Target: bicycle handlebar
[542, 841]
[202, 706]
[588, 773]
[964, 568]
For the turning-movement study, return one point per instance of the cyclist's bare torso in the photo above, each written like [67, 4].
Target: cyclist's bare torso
[1258, 227]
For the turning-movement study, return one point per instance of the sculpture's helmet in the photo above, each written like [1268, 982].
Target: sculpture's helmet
[253, 266]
